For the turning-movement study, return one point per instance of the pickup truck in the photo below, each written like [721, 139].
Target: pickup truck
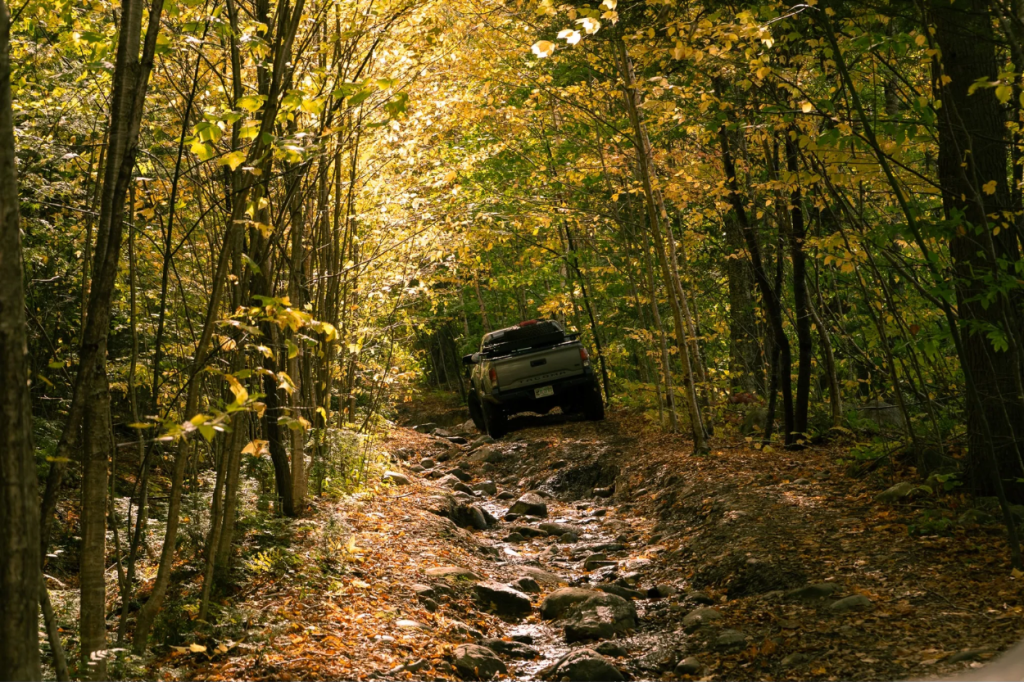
[534, 366]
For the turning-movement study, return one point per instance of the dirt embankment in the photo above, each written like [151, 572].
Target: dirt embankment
[604, 551]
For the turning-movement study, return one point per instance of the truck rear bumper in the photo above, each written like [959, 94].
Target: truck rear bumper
[523, 399]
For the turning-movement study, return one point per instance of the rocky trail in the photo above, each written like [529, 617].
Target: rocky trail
[603, 551]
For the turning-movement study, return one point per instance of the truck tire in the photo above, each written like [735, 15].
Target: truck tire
[593, 404]
[495, 421]
[476, 413]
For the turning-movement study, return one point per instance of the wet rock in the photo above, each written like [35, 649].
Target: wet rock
[631, 579]
[559, 601]
[511, 649]
[505, 495]
[698, 597]
[730, 639]
[514, 537]
[474, 662]
[526, 584]
[793, 660]
[502, 600]
[811, 592]
[544, 578]
[488, 517]
[510, 517]
[599, 617]
[700, 617]
[568, 538]
[611, 649]
[449, 481]
[604, 492]
[427, 463]
[396, 478]
[661, 591]
[458, 473]
[530, 504]
[529, 531]
[620, 591]
[585, 665]
[898, 492]
[688, 666]
[595, 561]
[478, 520]
[425, 428]
[486, 487]
[525, 639]
[855, 602]
[452, 573]
[458, 440]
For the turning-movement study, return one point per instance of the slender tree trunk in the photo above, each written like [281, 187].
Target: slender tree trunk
[801, 302]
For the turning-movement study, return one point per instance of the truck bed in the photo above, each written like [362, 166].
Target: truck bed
[538, 367]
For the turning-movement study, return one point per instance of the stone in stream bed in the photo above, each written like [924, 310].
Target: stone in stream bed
[502, 600]
[511, 649]
[595, 561]
[700, 617]
[661, 591]
[514, 538]
[427, 463]
[557, 529]
[620, 591]
[474, 662]
[585, 665]
[544, 578]
[458, 473]
[396, 478]
[530, 504]
[415, 468]
[611, 649]
[730, 639]
[559, 601]
[528, 531]
[486, 487]
[526, 584]
[688, 666]
[505, 495]
[698, 597]
[599, 617]
[568, 538]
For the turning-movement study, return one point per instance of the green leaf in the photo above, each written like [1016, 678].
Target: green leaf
[232, 160]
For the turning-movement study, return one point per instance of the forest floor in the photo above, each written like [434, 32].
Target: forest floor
[711, 552]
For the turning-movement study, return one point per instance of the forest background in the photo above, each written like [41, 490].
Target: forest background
[235, 234]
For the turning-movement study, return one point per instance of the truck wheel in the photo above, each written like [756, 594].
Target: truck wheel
[495, 420]
[476, 413]
[593, 405]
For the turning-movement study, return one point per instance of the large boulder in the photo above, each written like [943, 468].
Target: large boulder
[475, 662]
[585, 665]
[599, 617]
[530, 504]
[502, 600]
[559, 601]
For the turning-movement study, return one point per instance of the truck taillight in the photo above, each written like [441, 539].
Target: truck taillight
[584, 356]
[494, 376]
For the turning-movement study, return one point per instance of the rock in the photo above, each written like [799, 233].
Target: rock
[529, 531]
[465, 428]
[416, 468]
[729, 639]
[611, 649]
[585, 665]
[474, 662]
[688, 666]
[620, 591]
[661, 591]
[452, 573]
[488, 453]
[458, 627]
[898, 492]
[408, 624]
[486, 487]
[801, 481]
[595, 561]
[568, 538]
[424, 591]
[526, 584]
[700, 617]
[811, 592]
[511, 649]
[481, 440]
[525, 639]
[440, 433]
[427, 463]
[855, 602]
[698, 597]
[425, 428]
[479, 521]
[458, 473]
[530, 504]
[458, 440]
[502, 600]
[505, 495]
[488, 517]
[557, 529]
[413, 667]
[559, 601]
[396, 478]
[514, 537]
[968, 655]
[430, 605]
[604, 492]
[449, 481]
[544, 578]
[793, 660]
[599, 617]
[510, 518]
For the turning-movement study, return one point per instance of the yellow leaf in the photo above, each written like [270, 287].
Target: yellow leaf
[1003, 93]
[989, 187]
[807, 107]
[1017, 573]
[196, 648]
[920, 40]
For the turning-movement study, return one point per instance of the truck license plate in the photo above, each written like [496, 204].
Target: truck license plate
[543, 391]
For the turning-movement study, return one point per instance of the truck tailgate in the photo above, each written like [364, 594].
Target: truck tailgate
[543, 366]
